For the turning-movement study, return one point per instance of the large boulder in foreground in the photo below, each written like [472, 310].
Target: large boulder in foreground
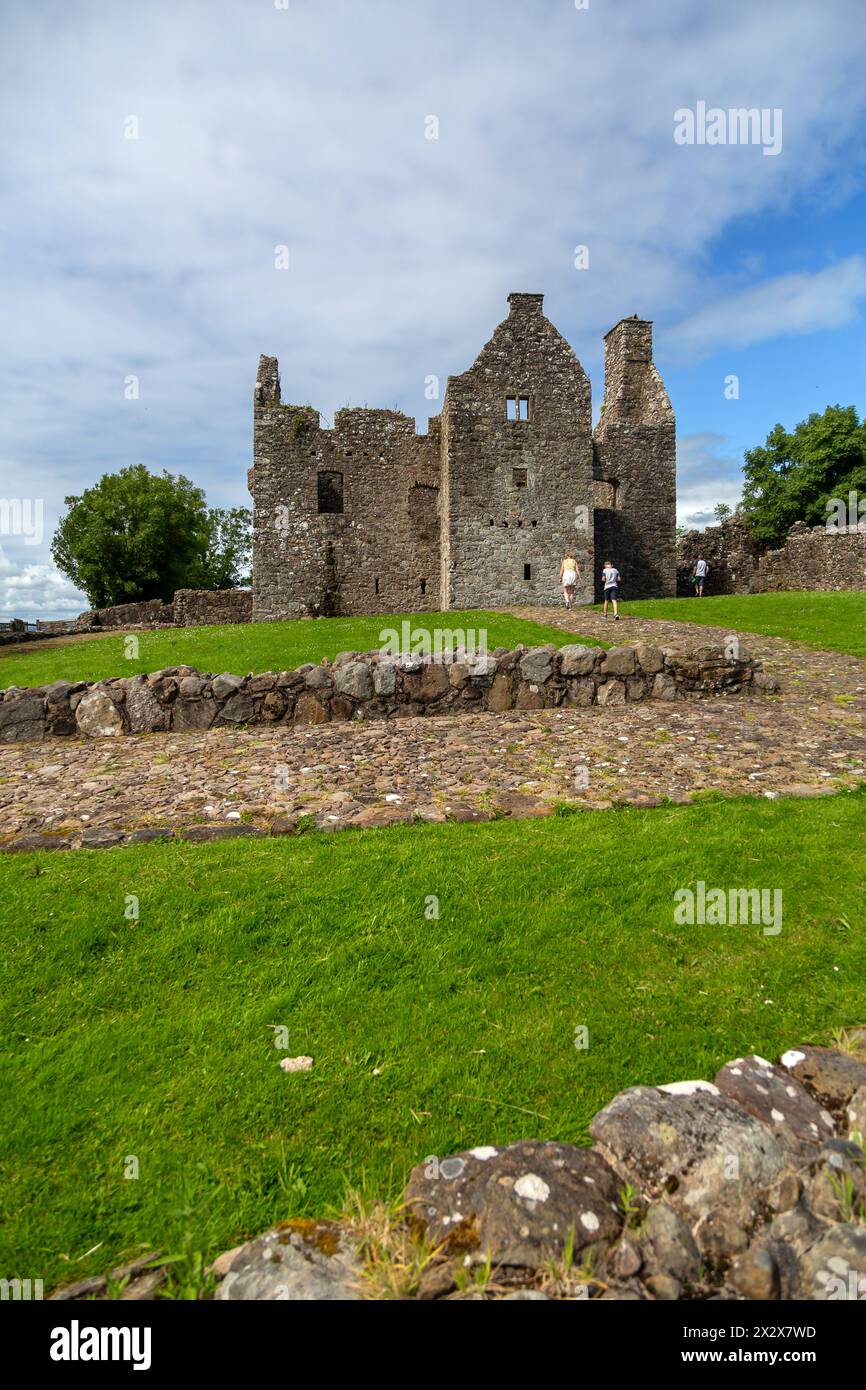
[519, 1204]
[699, 1151]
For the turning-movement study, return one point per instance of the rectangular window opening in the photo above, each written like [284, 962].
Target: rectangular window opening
[330, 492]
[523, 408]
[519, 477]
[510, 407]
[527, 571]
[423, 583]
[377, 583]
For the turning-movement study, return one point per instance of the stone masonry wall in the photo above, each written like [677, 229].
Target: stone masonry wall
[635, 467]
[380, 554]
[515, 487]
[199, 607]
[811, 559]
[374, 686]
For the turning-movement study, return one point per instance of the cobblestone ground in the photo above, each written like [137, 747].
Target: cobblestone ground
[809, 740]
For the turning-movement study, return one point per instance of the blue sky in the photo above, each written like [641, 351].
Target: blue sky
[305, 126]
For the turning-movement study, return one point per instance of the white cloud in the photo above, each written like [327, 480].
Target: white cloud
[803, 303]
[706, 475]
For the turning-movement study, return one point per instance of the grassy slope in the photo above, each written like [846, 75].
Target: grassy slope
[832, 622]
[254, 647]
[152, 1038]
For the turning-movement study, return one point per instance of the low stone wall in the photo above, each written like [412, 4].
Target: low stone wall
[815, 559]
[374, 686]
[199, 607]
[150, 612]
[811, 558]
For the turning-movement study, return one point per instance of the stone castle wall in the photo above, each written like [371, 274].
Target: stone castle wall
[376, 686]
[515, 486]
[200, 607]
[810, 559]
[480, 511]
[635, 467]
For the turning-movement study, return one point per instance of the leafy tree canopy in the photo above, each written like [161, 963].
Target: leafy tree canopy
[136, 535]
[794, 475]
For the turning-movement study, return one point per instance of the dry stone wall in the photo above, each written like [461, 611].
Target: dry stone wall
[199, 607]
[374, 686]
[812, 558]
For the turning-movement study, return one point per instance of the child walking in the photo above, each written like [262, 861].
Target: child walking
[610, 580]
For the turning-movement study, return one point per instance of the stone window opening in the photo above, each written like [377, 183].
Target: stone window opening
[376, 582]
[517, 408]
[605, 494]
[423, 584]
[330, 492]
[519, 477]
[527, 571]
[535, 523]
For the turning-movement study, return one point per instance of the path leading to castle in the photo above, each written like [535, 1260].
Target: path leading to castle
[810, 740]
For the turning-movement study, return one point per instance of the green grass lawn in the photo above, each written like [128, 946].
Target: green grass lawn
[243, 647]
[153, 1038]
[832, 622]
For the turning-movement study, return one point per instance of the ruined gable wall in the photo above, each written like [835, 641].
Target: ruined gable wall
[635, 461]
[492, 527]
[306, 562]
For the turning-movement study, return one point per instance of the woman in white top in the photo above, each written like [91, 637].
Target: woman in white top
[569, 578]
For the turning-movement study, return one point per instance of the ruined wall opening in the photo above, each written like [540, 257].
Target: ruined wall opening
[605, 494]
[330, 492]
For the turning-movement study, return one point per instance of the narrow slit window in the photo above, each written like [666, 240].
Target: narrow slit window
[527, 571]
[523, 408]
[423, 583]
[518, 477]
[377, 583]
[330, 492]
[511, 407]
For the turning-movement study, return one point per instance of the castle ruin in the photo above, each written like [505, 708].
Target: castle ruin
[371, 517]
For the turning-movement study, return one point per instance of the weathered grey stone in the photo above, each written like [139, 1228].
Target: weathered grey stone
[319, 678]
[707, 1157]
[355, 681]
[831, 1076]
[664, 687]
[668, 1246]
[836, 1185]
[385, 678]
[619, 661]
[536, 666]
[578, 660]
[143, 710]
[97, 715]
[519, 1203]
[772, 1095]
[225, 685]
[21, 718]
[239, 708]
[313, 1263]
[193, 714]
[611, 692]
[650, 659]
[580, 691]
[755, 1274]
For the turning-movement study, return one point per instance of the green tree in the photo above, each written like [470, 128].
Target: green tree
[133, 536]
[226, 563]
[793, 475]
[722, 511]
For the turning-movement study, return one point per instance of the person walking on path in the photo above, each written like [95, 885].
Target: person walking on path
[569, 577]
[610, 579]
[700, 571]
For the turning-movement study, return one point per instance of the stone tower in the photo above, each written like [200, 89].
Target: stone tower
[635, 467]
[371, 517]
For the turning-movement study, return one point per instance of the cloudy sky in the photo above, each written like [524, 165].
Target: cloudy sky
[305, 124]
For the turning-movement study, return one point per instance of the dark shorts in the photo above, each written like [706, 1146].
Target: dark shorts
[612, 592]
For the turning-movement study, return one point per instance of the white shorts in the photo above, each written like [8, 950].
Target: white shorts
[569, 579]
